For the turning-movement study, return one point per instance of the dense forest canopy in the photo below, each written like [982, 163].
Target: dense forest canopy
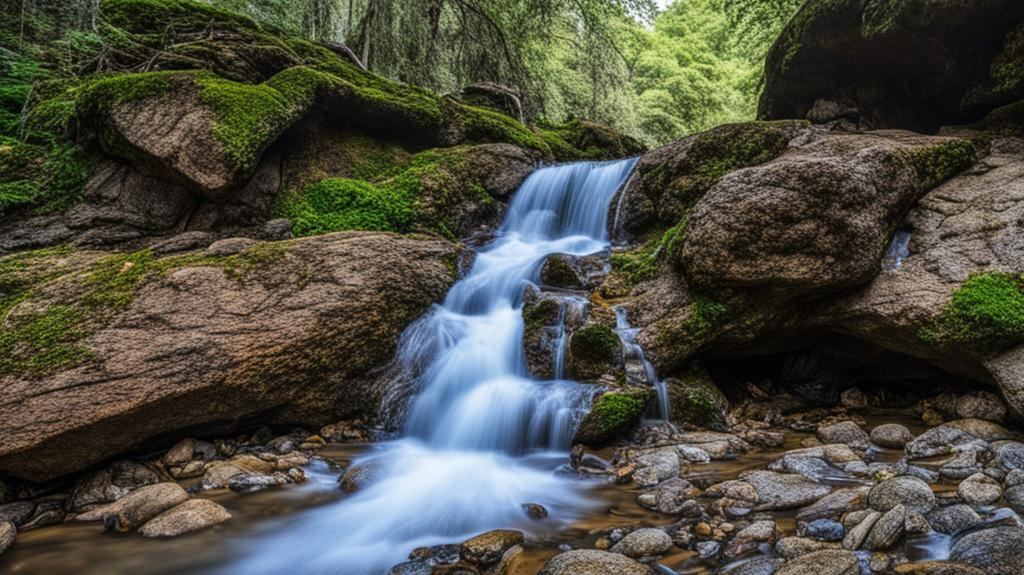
[657, 70]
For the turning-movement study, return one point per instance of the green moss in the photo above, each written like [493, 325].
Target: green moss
[558, 272]
[580, 140]
[643, 263]
[695, 400]
[543, 313]
[427, 196]
[936, 164]
[146, 15]
[986, 313]
[46, 337]
[41, 178]
[592, 350]
[482, 125]
[613, 414]
[700, 321]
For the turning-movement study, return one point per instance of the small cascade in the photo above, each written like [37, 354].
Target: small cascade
[898, 249]
[572, 310]
[481, 437]
[638, 369]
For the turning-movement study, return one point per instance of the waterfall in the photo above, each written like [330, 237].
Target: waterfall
[636, 363]
[482, 438]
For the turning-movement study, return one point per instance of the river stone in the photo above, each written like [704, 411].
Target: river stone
[887, 530]
[776, 491]
[253, 482]
[110, 484]
[593, 562]
[981, 405]
[750, 537]
[8, 533]
[645, 542]
[822, 530]
[936, 568]
[186, 450]
[845, 432]
[1010, 455]
[835, 504]
[825, 562]
[219, 474]
[18, 512]
[996, 550]
[953, 519]
[656, 466]
[756, 566]
[669, 497]
[910, 491]
[985, 430]
[979, 489]
[891, 435]
[953, 435]
[138, 507]
[486, 549]
[855, 536]
[792, 547]
[192, 515]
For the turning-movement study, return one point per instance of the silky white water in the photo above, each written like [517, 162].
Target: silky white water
[482, 438]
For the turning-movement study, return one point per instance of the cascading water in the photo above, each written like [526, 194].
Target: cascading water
[636, 361]
[482, 437]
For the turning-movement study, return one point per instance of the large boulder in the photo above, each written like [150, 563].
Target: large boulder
[995, 550]
[916, 64]
[815, 220]
[152, 346]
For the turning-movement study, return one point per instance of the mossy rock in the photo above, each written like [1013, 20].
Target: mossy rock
[593, 351]
[986, 314]
[940, 162]
[612, 415]
[539, 317]
[559, 270]
[695, 400]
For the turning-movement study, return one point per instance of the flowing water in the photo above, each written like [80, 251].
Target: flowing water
[482, 437]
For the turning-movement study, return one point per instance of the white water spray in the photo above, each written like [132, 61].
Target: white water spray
[482, 437]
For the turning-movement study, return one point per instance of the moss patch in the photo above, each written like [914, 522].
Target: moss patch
[936, 164]
[986, 313]
[698, 325]
[592, 350]
[41, 335]
[428, 196]
[694, 399]
[643, 263]
[613, 414]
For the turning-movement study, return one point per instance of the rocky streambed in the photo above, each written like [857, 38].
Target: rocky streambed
[847, 490]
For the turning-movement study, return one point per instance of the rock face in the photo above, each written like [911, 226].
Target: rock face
[293, 338]
[912, 64]
[850, 192]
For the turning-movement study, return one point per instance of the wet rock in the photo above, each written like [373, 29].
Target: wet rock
[835, 454]
[997, 551]
[791, 547]
[646, 542]
[749, 538]
[755, 566]
[437, 554]
[979, 489]
[936, 568]
[917, 524]
[693, 454]
[18, 512]
[891, 435]
[49, 511]
[613, 414]
[888, 530]
[411, 568]
[783, 490]
[186, 450]
[853, 398]
[810, 467]
[717, 445]
[964, 464]
[669, 497]
[822, 530]
[535, 510]
[953, 519]
[845, 432]
[855, 537]
[358, 476]
[110, 484]
[138, 507]
[981, 405]
[953, 436]
[1009, 455]
[486, 549]
[218, 475]
[655, 466]
[910, 491]
[8, 533]
[825, 562]
[253, 482]
[188, 517]
[695, 399]
[593, 562]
